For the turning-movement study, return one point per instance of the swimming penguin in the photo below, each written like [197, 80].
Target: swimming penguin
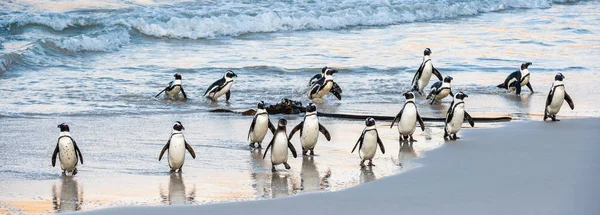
[172, 91]
[67, 151]
[440, 90]
[423, 75]
[280, 144]
[260, 125]
[309, 130]
[408, 118]
[518, 79]
[177, 146]
[367, 143]
[456, 116]
[556, 97]
[316, 77]
[325, 85]
[221, 87]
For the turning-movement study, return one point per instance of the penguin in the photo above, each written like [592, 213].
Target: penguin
[518, 79]
[421, 78]
[172, 91]
[556, 97]
[367, 143]
[259, 126]
[280, 144]
[177, 146]
[456, 116]
[309, 130]
[440, 90]
[407, 118]
[324, 86]
[67, 151]
[221, 87]
[316, 77]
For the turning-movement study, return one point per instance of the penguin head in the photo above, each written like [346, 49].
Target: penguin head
[330, 71]
[282, 123]
[461, 95]
[525, 65]
[230, 74]
[261, 105]
[559, 77]
[177, 76]
[448, 79]
[324, 69]
[427, 52]
[408, 95]
[311, 108]
[178, 126]
[63, 127]
[370, 121]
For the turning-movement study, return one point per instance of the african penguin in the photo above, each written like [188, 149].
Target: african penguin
[316, 77]
[177, 146]
[221, 87]
[421, 78]
[172, 91]
[325, 85]
[260, 125]
[67, 151]
[309, 130]
[367, 143]
[407, 118]
[280, 144]
[440, 90]
[556, 97]
[456, 116]
[517, 79]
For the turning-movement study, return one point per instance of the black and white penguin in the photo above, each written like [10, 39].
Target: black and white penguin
[556, 97]
[67, 151]
[439, 90]
[221, 87]
[177, 146]
[367, 143]
[456, 116]
[172, 91]
[280, 144]
[316, 77]
[260, 125]
[325, 85]
[518, 79]
[309, 130]
[421, 78]
[408, 117]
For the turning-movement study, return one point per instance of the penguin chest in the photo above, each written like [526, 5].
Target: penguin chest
[310, 132]
[442, 94]
[176, 151]
[260, 128]
[223, 90]
[324, 90]
[174, 92]
[369, 145]
[425, 75]
[457, 119]
[525, 80]
[279, 150]
[557, 100]
[67, 155]
[408, 121]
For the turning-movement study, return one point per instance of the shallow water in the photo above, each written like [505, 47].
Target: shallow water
[97, 67]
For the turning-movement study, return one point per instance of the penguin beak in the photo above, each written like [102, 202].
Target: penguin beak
[335, 71]
[234, 75]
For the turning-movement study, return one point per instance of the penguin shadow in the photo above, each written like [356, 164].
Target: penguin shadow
[406, 152]
[67, 197]
[366, 174]
[280, 185]
[177, 192]
[261, 179]
[310, 180]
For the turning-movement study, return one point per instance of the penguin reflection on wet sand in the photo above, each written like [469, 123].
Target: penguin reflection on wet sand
[367, 143]
[309, 130]
[366, 174]
[67, 151]
[260, 125]
[279, 146]
[556, 97]
[221, 87]
[423, 74]
[406, 152]
[517, 79]
[177, 191]
[324, 86]
[455, 117]
[407, 118]
[177, 147]
[309, 175]
[67, 197]
[173, 89]
[279, 185]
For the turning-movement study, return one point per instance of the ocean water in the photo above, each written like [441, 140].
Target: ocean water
[97, 66]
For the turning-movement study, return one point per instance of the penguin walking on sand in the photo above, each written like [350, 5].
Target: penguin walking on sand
[421, 78]
[518, 79]
[325, 85]
[67, 151]
[260, 125]
[367, 143]
[456, 116]
[316, 77]
[556, 97]
[177, 146]
[440, 90]
[407, 118]
[172, 91]
[279, 146]
[309, 130]
[221, 87]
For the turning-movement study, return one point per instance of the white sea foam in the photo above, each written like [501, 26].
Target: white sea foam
[103, 42]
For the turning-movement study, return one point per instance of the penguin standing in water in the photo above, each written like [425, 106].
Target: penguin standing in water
[367, 143]
[172, 91]
[67, 151]
[439, 90]
[280, 144]
[221, 87]
[556, 97]
[316, 77]
[408, 118]
[517, 79]
[456, 116]
[177, 146]
[260, 125]
[421, 78]
[309, 130]
[325, 85]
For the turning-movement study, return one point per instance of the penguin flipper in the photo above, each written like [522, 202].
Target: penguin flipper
[336, 90]
[451, 94]
[469, 119]
[518, 87]
[54, 154]
[227, 95]
[569, 100]
[77, 150]
[268, 147]
[214, 87]
[314, 90]
[272, 127]
[164, 149]
[420, 121]
[161, 92]
[323, 130]
[360, 139]
[190, 150]
[398, 117]
[294, 153]
[183, 92]
[550, 95]
[380, 143]
[529, 86]
[437, 73]
[295, 129]
[450, 114]
[252, 126]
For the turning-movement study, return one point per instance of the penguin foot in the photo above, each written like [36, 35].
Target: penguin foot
[172, 171]
[251, 145]
[312, 152]
[273, 168]
[412, 139]
[74, 172]
[64, 173]
[259, 146]
[287, 166]
[304, 152]
[371, 163]
[180, 170]
[362, 164]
